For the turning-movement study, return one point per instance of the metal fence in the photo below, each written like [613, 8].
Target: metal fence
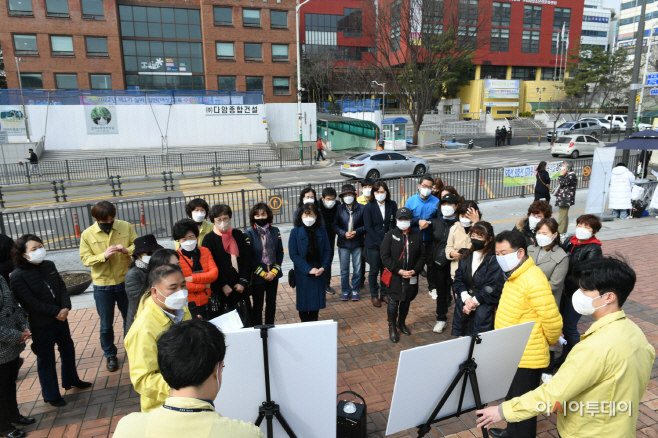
[154, 164]
[57, 226]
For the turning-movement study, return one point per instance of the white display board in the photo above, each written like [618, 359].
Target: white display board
[425, 373]
[303, 377]
[599, 180]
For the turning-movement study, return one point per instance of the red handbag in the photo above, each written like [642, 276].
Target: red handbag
[387, 275]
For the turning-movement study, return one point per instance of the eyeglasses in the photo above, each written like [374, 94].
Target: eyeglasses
[219, 221]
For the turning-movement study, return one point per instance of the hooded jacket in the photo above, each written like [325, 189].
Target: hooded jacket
[621, 185]
[579, 253]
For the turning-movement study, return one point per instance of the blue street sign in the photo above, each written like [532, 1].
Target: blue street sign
[652, 81]
[653, 92]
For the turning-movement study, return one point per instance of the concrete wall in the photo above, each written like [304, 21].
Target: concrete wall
[282, 121]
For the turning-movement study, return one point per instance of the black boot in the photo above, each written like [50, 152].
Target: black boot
[402, 323]
[392, 329]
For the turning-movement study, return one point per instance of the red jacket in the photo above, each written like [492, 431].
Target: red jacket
[196, 289]
[320, 145]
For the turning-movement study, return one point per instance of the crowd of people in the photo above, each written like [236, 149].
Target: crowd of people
[166, 297]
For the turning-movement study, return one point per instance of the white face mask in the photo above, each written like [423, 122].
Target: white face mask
[367, 192]
[381, 197]
[403, 225]
[223, 226]
[175, 301]
[447, 210]
[543, 240]
[348, 199]
[309, 200]
[188, 245]
[329, 204]
[509, 261]
[37, 256]
[532, 222]
[308, 221]
[583, 304]
[425, 192]
[583, 234]
[146, 259]
[465, 222]
[198, 216]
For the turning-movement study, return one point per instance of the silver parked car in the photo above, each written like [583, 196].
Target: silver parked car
[575, 145]
[383, 164]
[579, 127]
[604, 124]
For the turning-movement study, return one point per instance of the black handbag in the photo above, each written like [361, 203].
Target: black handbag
[242, 309]
[351, 418]
[292, 281]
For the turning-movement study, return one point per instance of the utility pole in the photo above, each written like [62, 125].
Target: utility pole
[639, 44]
[299, 84]
[20, 85]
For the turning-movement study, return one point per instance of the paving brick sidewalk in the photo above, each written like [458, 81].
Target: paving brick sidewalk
[367, 360]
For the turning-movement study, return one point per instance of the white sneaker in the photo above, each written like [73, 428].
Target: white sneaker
[440, 325]
[433, 294]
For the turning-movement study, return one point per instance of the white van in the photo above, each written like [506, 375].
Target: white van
[621, 120]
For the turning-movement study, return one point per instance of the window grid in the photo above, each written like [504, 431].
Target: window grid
[524, 73]
[97, 47]
[61, 45]
[92, 10]
[25, 45]
[493, 72]
[499, 40]
[281, 86]
[279, 19]
[66, 81]
[467, 35]
[21, 8]
[223, 16]
[530, 41]
[251, 17]
[561, 16]
[57, 8]
[501, 14]
[554, 45]
[225, 51]
[31, 80]
[253, 52]
[547, 73]
[532, 16]
[468, 11]
[226, 83]
[100, 82]
[254, 83]
[279, 52]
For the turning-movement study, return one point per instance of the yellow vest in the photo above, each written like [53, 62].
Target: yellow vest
[141, 348]
[93, 244]
[206, 227]
[611, 363]
[526, 297]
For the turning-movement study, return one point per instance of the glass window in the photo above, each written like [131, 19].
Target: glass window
[183, 49]
[57, 8]
[141, 29]
[126, 13]
[97, 46]
[92, 9]
[197, 65]
[493, 72]
[279, 52]
[143, 48]
[31, 80]
[61, 45]
[170, 49]
[532, 16]
[196, 50]
[530, 41]
[127, 29]
[132, 80]
[499, 40]
[167, 15]
[155, 30]
[20, 7]
[195, 32]
[253, 52]
[153, 15]
[254, 83]
[524, 73]
[139, 13]
[561, 16]
[182, 31]
[279, 19]
[181, 16]
[468, 11]
[194, 16]
[223, 16]
[66, 81]
[554, 44]
[549, 74]
[130, 63]
[198, 83]
[501, 14]
[156, 48]
[168, 30]
[281, 85]
[251, 17]
[467, 36]
[25, 45]
[128, 47]
[226, 83]
[100, 82]
[225, 51]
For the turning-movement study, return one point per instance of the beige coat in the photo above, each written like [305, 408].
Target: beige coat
[457, 239]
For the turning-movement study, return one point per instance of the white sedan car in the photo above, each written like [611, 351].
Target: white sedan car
[575, 145]
[383, 164]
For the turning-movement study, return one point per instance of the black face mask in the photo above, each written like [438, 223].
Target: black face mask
[261, 222]
[106, 227]
[478, 244]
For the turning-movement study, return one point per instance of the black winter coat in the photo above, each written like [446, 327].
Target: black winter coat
[341, 223]
[255, 245]
[486, 287]
[6, 263]
[328, 216]
[578, 254]
[41, 291]
[441, 229]
[376, 226]
[540, 187]
[523, 227]
[402, 289]
[228, 275]
[133, 284]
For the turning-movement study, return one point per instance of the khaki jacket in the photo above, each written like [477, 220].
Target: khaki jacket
[93, 244]
[457, 239]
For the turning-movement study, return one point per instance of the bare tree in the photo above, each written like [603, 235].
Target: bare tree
[316, 70]
[420, 44]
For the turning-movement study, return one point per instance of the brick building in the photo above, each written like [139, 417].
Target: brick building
[140, 45]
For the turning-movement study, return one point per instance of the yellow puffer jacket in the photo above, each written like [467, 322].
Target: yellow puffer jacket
[527, 297]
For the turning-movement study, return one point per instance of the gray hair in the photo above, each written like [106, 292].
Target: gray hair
[569, 166]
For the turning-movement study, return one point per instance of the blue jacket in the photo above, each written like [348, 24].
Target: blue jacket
[310, 289]
[255, 245]
[425, 209]
[375, 226]
[341, 222]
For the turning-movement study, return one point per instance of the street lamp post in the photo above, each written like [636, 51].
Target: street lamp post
[540, 91]
[20, 85]
[384, 96]
[299, 84]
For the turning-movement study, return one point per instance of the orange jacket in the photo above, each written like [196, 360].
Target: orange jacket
[196, 289]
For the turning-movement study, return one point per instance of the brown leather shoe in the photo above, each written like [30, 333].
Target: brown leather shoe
[386, 299]
[376, 302]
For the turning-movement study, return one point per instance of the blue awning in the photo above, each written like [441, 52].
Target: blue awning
[396, 120]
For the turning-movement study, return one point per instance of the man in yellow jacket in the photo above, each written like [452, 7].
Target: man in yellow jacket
[106, 248]
[166, 306]
[597, 392]
[195, 377]
[526, 297]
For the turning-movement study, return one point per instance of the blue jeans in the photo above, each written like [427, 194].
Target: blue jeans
[43, 346]
[570, 320]
[621, 214]
[106, 297]
[376, 267]
[344, 256]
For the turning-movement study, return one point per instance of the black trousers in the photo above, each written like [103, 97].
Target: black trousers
[525, 380]
[320, 155]
[332, 248]
[394, 306]
[539, 196]
[430, 264]
[264, 292]
[8, 404]
[311, 315]
[442, 281]
[364, 256]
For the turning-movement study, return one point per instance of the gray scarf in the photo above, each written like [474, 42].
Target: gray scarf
[265, 236]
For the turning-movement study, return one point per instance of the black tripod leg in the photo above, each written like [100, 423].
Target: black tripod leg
[284, 424]
[270, 431]
[425, 428]
[259, 420]
[478, 400]
[461, 394]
